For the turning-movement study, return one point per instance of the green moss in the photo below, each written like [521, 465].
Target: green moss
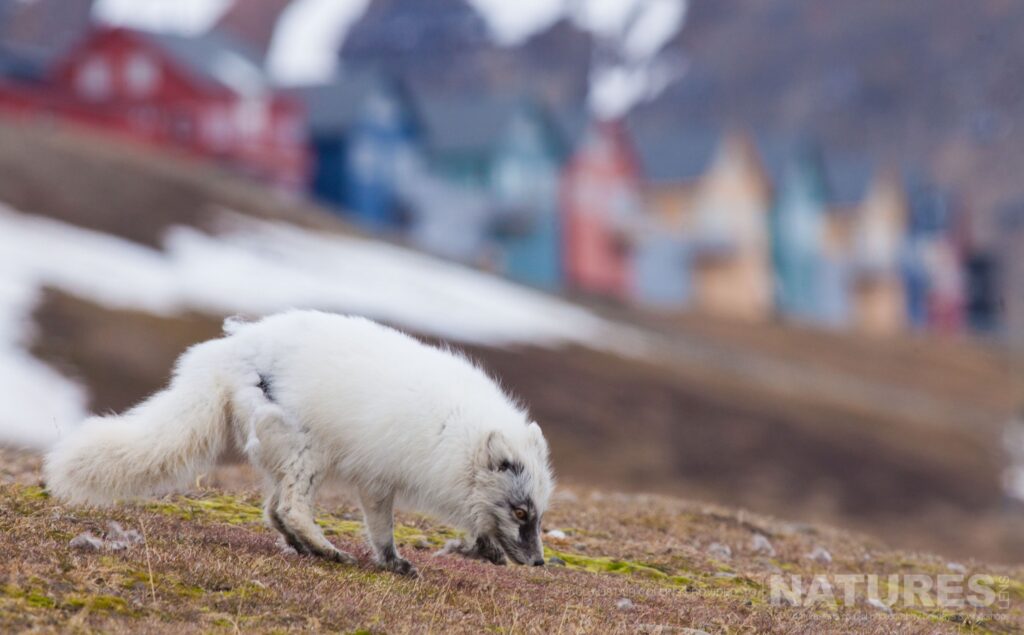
[32, 492]
[108, 604]
[231, 510]
[39, 601]
[12, 591]
[33, 597]
[183, 590]
[74, 603]
[606, 565]
[226, 509]
[1004, 586]
[689, 580]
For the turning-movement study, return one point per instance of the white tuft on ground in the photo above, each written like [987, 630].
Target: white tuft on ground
[253, 268]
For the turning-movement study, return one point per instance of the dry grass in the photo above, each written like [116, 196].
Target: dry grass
[209, 565]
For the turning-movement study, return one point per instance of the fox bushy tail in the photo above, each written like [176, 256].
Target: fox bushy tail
[156, 446]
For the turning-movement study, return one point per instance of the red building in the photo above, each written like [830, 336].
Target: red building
[204, 95]
[601, 200]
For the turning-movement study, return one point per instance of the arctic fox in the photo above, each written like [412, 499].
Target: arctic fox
[312, 396]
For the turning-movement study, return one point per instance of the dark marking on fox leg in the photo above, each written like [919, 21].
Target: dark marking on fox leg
[378, 513]
[289, 537]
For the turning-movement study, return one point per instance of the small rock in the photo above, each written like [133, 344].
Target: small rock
[580, 546]
[820, 554]
[799, 528]
[421, 544]
[556, 561]
[880, 605]
[117, 539]
[956, 567]
[624, 604]
[719, 551]
[759, 543]
[86, 542]
[725, 575]
[556, 534]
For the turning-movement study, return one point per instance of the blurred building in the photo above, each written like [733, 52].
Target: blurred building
[601, 200]
[201, 95]
[362, 128]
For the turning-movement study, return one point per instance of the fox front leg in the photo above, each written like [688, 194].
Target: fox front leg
[378, 512]
[482, 548]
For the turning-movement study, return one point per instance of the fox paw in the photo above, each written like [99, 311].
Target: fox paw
[400, 566]
[481, 549]
[341, 557]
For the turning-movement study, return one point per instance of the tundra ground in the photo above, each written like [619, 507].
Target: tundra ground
[632, 563]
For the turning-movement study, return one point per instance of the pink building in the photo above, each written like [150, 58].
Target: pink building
[601, 199]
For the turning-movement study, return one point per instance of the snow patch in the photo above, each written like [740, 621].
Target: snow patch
[186, 17]
[256, 268]
[307, 38]
[513, 22]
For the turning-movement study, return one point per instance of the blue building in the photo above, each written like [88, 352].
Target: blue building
[663, 247]
[798, 235]
[507, 151]
[812, 226]
[363, 132]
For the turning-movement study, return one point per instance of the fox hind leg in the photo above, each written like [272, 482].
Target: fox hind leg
[292, 514]
[271, 514]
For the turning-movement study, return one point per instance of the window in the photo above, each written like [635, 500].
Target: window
[217, 130]
[92, 79]
[141, 75]
[251, 116]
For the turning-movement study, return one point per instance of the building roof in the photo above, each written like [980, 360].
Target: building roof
[462, 123]
[673, 155]
[845, 177]
[216, 58]
[253, 22]
[37, 34]
[332, 107]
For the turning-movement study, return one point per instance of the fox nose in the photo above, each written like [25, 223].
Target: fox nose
[538, 562]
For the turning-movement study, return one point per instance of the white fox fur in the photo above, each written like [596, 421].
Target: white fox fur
[313, 396]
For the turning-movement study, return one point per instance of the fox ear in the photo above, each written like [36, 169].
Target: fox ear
[497, 452]
[537, 438]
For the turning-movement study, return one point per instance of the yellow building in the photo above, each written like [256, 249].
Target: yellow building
[732, 268]
[879, 234]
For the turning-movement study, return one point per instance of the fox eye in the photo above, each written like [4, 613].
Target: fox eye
[520, 513]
